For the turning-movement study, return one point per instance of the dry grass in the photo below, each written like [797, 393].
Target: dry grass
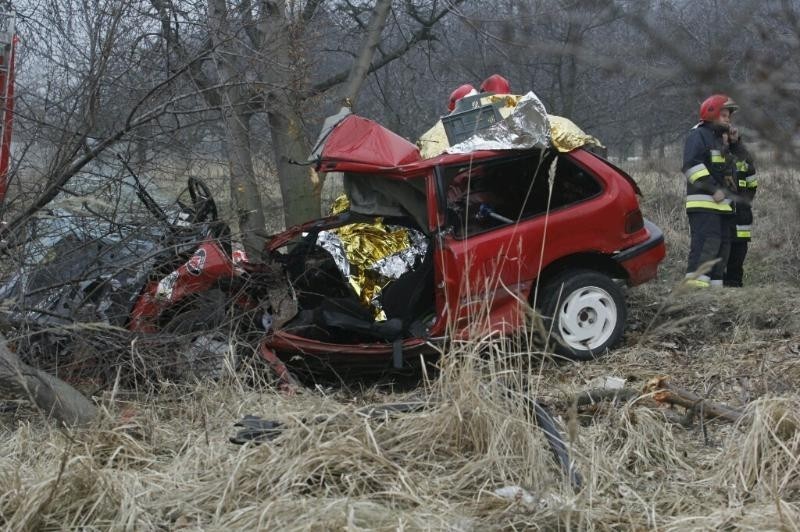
[162, 460]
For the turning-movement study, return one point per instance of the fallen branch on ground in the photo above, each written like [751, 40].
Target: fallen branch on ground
[658, 390]
[53, 396]
[597, 395]
[661, 391]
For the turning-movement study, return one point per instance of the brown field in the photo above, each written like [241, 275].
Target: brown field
[161, 459]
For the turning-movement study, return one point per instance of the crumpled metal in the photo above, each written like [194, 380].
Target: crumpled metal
[327, 128]
[525, 128]
[370, 255]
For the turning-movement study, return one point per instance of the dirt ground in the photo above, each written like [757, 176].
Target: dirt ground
[472, 458]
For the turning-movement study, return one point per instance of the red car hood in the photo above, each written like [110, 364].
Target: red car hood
[366, 143]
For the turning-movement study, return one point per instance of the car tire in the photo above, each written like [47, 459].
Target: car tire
[584, 312]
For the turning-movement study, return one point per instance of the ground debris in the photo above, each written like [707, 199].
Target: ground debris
[660, 389]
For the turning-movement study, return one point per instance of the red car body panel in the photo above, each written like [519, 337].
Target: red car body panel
[206, 268]
[493, 272]
[365, 143]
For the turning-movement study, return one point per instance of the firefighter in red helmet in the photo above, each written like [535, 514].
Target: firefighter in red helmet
[496, 84]
[461, 92]
[709, 164]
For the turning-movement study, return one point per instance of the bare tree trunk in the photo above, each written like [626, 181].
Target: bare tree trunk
[647, 146]
[244, 190]
[236, 118]
[53, 396]
[300, 187]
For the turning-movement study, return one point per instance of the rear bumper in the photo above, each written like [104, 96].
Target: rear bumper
[641, 261]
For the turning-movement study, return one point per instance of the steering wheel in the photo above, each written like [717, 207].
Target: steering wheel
[203, 204]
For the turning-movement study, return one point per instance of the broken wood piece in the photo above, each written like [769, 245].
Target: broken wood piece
[662, 392]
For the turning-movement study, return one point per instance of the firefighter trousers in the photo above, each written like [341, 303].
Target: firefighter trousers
[711, 234]
[735, 269]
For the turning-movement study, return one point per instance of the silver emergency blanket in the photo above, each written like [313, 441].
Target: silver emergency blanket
[332, 243]
[525, 128]
[396, 264]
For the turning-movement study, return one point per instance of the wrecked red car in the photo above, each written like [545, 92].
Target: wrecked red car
[425, 251]
[492, 233]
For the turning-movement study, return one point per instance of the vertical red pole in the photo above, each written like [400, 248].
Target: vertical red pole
[5, 142]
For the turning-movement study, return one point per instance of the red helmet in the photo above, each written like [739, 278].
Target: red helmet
[710, 108]
[496, 84]
[459, 93]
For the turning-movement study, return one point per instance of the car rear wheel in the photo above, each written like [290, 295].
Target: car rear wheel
[585, 313]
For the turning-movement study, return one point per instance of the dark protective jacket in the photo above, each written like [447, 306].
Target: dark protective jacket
[705, 167]
[746, 184]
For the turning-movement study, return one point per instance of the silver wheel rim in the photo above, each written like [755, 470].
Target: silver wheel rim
[587, 318]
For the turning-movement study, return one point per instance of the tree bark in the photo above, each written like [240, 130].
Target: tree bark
[236, 115]
[244, 191]
[54, 397]
[300, 187]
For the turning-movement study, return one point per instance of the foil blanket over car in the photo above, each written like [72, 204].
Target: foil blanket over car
[370, 255]
[525, 125]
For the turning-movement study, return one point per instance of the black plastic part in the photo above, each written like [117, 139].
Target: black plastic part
[255, 429]
[546, 422]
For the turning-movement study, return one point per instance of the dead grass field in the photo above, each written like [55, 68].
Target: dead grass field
[163, 461]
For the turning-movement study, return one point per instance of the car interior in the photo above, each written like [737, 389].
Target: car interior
[485, 196]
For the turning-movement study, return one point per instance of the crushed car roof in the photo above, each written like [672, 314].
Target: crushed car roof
[350, 143]
[361, 145]
[362, 141]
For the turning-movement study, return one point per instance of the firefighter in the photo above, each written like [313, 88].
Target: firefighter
[496, 84]
[461, 92]
[709, 188]
[746, 183]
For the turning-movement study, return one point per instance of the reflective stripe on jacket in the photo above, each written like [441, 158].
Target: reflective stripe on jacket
[705, 168]
[747, 185]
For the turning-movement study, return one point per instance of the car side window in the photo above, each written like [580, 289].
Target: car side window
[485, 196]
[572, 184]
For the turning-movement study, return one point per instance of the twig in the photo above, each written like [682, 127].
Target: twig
[662, 392]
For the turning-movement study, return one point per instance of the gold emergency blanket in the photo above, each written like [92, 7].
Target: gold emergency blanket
[565, 135]
[374, 254]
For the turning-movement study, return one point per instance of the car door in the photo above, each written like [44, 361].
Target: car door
[503, 222]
